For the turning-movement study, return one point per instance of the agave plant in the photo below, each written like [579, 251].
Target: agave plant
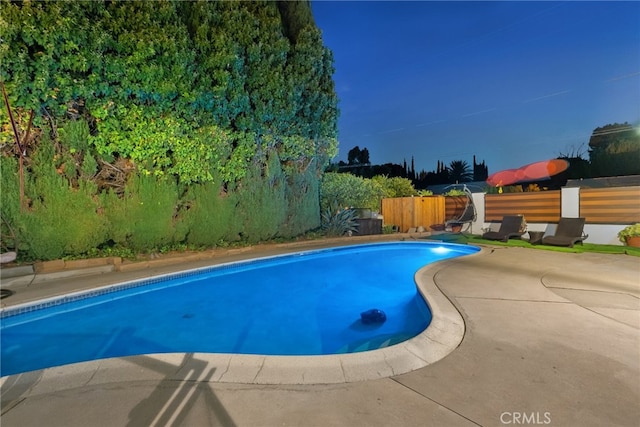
[337, 221]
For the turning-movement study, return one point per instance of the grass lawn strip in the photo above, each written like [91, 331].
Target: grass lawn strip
[463, 238]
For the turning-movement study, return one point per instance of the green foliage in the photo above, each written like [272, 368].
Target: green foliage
[75, 135]
[262, 204]
[310, 68]
[144, 218]
[629, 231]
[60, 220]
[618, 158]
[358, 157]
[176, 86]
[105, 251]
[338, 222]
[235, 168]
[615, 150]
[395, 186]
[454, 192]
[228, 119]
[607, 134]
[295, 16]
[168, 145]
[89, 166]
[302, 196]
[210, 215]
[9, 204]
[78, 155]
[388, 229]
[349, 191]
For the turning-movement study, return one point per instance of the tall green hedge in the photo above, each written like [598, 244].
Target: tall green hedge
[303, 205]
[60, 220]
[209, 214]
[144, 218]
[262, 205]
[171, 85]
[224, 114]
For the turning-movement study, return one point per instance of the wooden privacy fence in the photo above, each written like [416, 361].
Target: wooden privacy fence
[536, 206]
[619, 205]
[408, 212]
[454, 206]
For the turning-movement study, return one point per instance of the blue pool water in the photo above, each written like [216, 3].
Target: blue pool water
[307, 303]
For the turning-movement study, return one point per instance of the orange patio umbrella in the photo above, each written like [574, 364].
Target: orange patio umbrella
[538, 171]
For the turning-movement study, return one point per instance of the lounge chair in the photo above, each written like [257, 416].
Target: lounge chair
[512, 226]
[569, 232]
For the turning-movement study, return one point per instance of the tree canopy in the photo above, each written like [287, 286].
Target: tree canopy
[615, 150]
[356, 156]
[190, 89]
[144, 124]
[460, 171]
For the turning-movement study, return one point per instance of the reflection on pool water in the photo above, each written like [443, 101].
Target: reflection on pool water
[307, 303]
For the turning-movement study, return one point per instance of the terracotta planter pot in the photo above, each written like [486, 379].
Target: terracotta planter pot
[633, 241]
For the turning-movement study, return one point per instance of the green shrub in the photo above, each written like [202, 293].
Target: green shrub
[61, 220]
[349, 191]
[9, 204]
[303, 208]
[188, 93]
[209, 214]
[75, 135]
[172, 86]
[632, 230]
[143, 219]
[395, 186]
[454, 192]
[261, 204]
[388, 229]
[617, 157]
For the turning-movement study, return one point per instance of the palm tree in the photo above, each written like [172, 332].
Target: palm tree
[459, 171]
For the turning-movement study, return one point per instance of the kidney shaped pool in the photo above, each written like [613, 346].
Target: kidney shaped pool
[307, 303]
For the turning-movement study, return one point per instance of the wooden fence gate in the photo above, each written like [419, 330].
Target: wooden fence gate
[408, 212]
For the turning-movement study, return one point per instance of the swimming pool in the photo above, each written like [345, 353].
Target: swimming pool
[307, 303]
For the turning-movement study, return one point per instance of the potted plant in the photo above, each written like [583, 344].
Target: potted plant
[630, 235]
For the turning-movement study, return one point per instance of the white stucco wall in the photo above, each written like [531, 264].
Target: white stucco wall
[478, 224]
[570, 202]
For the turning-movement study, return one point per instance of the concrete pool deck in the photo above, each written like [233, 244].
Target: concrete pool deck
[550, 338]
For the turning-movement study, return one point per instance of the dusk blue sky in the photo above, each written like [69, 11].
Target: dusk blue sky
[511, 82]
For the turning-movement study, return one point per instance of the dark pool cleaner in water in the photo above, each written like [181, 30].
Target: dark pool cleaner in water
[373, 316]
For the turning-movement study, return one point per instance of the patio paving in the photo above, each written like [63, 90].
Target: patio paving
[551, 339]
